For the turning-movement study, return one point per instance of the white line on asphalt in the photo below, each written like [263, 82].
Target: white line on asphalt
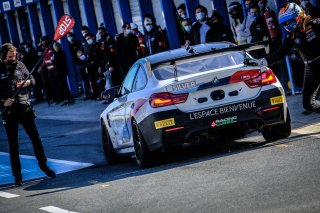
[8, 195]
[53, 209]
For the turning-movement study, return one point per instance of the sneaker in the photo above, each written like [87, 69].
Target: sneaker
[18, 181]
[50, 173]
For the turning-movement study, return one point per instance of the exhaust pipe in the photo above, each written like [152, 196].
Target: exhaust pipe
[204, 137]
[195, 139]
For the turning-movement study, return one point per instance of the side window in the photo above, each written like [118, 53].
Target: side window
[128, 81]
[141, 80]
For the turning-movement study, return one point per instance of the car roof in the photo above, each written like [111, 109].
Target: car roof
[183, 53]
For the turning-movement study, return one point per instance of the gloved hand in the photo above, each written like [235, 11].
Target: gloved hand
[256, 62]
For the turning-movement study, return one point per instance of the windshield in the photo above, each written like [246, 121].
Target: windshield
[198, 64]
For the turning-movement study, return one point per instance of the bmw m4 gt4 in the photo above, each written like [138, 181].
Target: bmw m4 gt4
[191, 95]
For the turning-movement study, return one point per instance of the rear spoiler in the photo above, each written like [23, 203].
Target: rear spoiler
[235, 48]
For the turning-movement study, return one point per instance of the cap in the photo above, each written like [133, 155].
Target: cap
[133, 25]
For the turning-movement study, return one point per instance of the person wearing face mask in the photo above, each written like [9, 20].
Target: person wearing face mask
[181, 15]
[84, 44]
[202, 25]
[218, 32]
[47, 70]
[238, 25]
[60, 61]
[188, 35]
[18, 111]
[28, 56]
[74, 46]
[127, 49]
[310, 10]
[153, 38]
[259, 29]
[135, 31]
[107, 55]
[91, 51]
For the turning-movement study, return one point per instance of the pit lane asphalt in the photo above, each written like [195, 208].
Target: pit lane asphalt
[246, 176]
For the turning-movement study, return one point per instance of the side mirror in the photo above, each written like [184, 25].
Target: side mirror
[110, 94]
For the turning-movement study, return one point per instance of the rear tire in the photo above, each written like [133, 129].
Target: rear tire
[109, 152]
[279, 131]
[143, 155]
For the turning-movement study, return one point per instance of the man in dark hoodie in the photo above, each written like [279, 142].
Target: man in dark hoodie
[218, 32]
[127, 47]
[154, 40]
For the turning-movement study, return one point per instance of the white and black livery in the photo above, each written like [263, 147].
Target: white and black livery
[191, 95]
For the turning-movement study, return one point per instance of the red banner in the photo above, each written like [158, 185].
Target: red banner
[64, 26]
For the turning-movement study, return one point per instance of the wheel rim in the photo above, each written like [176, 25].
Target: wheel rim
[105, 139]
[137, 143]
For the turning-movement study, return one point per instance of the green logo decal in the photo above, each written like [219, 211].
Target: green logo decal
[226, 121]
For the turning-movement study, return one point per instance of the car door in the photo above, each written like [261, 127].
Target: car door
[117, 115]
[135, 97]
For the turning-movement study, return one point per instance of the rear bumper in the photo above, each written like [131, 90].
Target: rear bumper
[179, 127]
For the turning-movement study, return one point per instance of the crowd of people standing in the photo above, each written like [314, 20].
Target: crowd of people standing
[103, 59]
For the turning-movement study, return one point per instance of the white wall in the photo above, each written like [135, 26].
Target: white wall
[135, 12]
[18, 25]
[98, 12]
[117, 17]
[158, 14]
[52, 15]
[82, 14]
[43, 32]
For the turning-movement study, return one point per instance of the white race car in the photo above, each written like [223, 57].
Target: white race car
[191, 95]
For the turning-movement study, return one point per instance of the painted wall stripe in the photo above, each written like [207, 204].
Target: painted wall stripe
[8, 195]
[53, 209]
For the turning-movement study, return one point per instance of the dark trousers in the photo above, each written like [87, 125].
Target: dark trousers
[311, 86]
[26, 118]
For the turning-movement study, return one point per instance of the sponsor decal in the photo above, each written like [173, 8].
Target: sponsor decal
[277, 100]
[6, 6]
[224, 121]
[183, 86]
[222, 110]
[164, 123]
[17, 3]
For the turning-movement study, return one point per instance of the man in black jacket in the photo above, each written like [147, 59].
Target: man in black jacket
[219, 32]
[154, 40]
[127, 47]
[201, 26]
[18, 110]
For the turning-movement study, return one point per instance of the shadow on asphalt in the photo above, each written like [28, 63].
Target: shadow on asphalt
[189, 155]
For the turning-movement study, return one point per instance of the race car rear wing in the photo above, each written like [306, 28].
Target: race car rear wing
[232, 48]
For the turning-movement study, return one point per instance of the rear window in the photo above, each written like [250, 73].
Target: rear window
[198, 64]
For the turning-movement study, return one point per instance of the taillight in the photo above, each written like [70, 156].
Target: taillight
[254, 78]
[244, 75]
[167, 99]
[268, 77]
